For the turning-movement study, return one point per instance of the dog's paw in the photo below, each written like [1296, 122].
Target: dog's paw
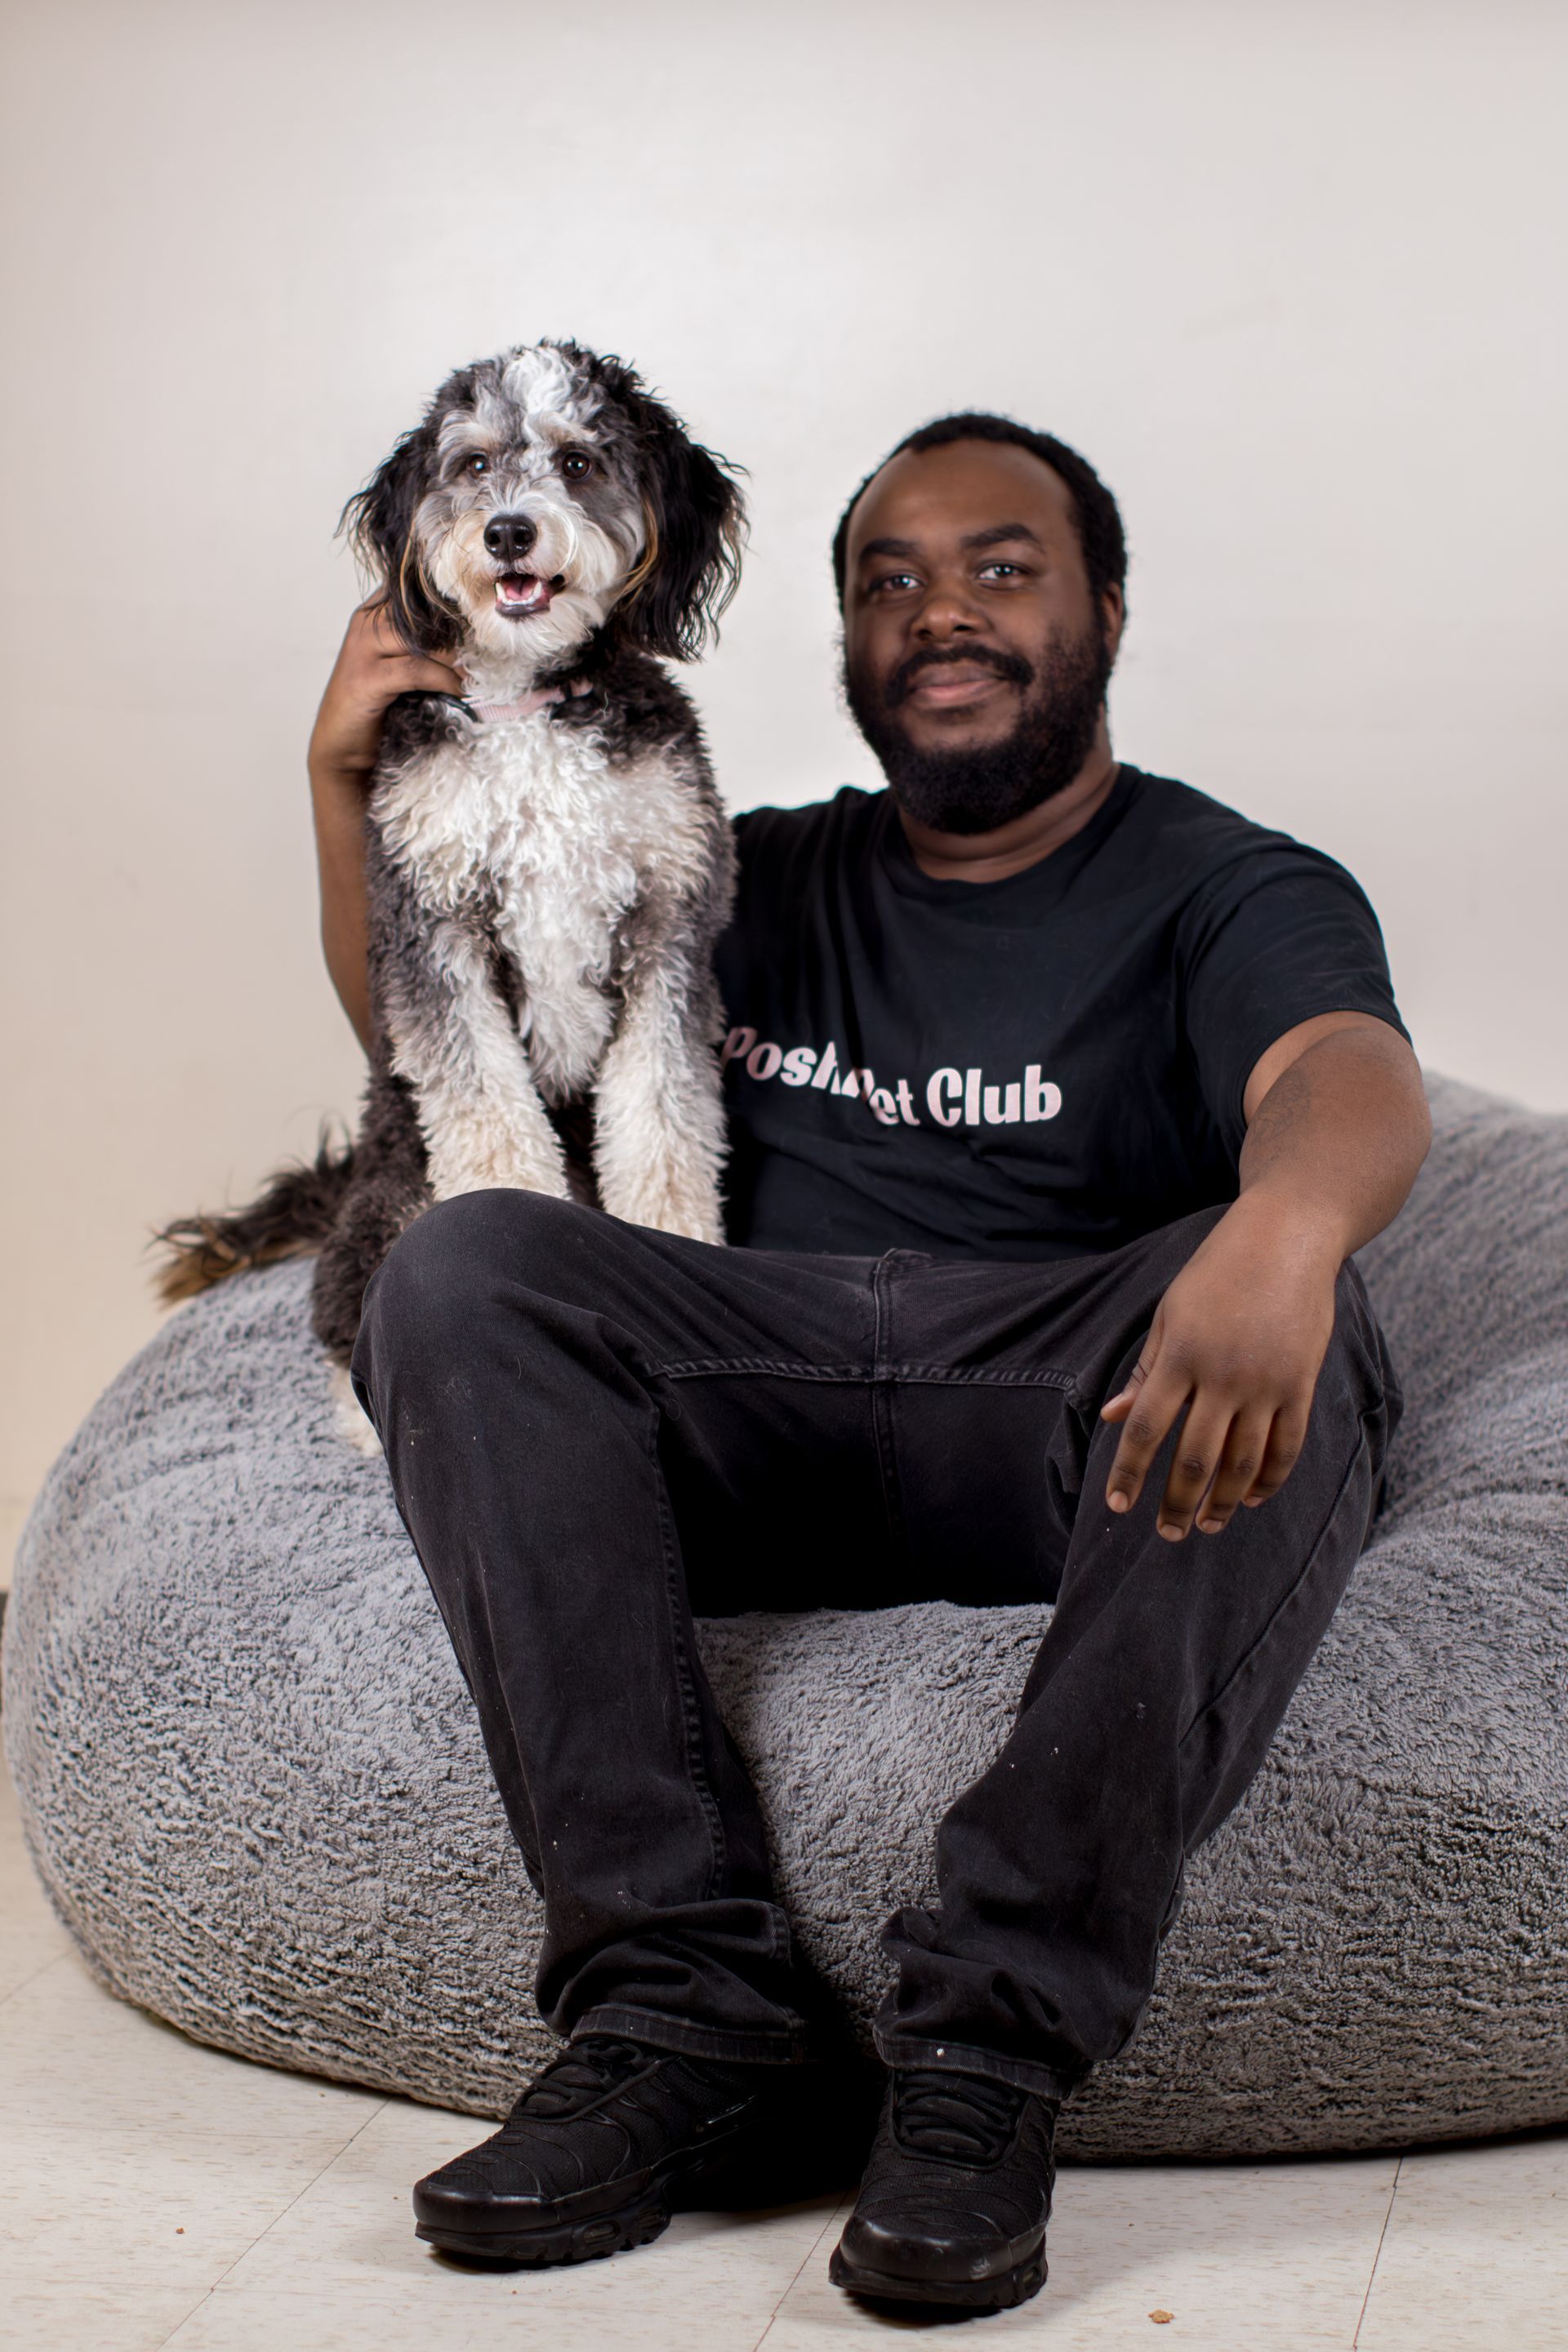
[709, 1229]
[350, 1419]
[496, 1164]
[669, 1205]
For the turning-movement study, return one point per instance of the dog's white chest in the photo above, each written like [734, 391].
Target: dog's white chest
[526, 832]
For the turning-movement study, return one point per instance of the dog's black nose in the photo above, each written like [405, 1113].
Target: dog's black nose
[510, 536]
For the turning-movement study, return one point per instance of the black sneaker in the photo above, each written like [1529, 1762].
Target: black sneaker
[611, 2140]
[955, 2200]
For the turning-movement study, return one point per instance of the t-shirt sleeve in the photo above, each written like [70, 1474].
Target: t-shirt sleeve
[1280, 935]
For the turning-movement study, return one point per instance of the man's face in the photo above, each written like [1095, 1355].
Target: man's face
[976, 657]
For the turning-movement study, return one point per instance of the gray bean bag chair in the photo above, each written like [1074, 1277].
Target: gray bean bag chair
[253, 1789]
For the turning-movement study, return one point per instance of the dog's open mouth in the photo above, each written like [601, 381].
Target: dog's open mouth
[520, 593]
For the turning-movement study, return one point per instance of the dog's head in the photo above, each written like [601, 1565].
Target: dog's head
[546, 496]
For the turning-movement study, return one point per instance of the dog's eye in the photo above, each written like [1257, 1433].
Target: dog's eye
[576, 463]
[477, 463]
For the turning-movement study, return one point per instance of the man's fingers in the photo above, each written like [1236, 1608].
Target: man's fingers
[372, 619]
[1118, 1407]
[1240, 1463]
[404, 672]
[1285, 1440]
[417, 674]
[370, 636]
[1145, 1427]
[1198, 1451]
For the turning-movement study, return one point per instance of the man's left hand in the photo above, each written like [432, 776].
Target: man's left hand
[1237, 1344]
[1337, 1126]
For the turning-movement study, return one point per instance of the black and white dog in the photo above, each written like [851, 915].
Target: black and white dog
[548, 860]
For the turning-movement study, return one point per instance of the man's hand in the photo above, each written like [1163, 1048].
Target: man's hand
[1337, 1129]
[373, 668]
[1237, 1343]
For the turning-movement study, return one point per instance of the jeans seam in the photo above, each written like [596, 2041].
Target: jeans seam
[687, 2033]
[882, 1405]
[705, 1367]
[1286, 1598]
[925, 1375]
[691, 1714]
[1027, 2075]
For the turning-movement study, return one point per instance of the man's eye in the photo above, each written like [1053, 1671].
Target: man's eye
[477, 463]
[895, 580]
[576, 463]
[1001, 572]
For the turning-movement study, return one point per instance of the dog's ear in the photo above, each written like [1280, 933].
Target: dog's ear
[696, 531]
[379, 524]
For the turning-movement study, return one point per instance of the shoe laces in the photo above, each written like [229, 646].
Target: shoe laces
[583, 2073]
[963, 2118]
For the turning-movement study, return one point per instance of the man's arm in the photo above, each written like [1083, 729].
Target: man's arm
[1337, 1130]
[373, 668]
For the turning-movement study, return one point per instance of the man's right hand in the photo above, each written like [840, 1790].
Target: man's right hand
[373, 668]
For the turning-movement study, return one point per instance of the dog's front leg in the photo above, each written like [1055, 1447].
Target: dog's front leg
[658, 1144]
[480, 1111]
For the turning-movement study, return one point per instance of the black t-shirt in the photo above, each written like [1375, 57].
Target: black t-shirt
[1039, 1067]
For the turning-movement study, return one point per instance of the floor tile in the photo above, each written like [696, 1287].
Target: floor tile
[710, 2284]
[108, 2239]
[1475, 2258]
[25, 1951]
[685, 2294]
[1244, 2258]
[23, 1903]
[67, 2048]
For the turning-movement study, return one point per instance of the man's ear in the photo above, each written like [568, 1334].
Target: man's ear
[692, 563]
[1113, 617]
[379, 524]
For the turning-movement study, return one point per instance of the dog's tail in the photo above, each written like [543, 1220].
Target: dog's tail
[295, 1216]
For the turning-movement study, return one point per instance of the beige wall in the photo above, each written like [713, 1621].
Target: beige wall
[1289, 273]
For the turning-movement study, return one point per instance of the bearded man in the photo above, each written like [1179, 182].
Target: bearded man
[1060, 1097]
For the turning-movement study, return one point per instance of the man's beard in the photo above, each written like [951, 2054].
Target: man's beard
[967, 790]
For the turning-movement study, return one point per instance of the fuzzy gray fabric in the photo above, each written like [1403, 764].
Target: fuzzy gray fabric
[254, 1788]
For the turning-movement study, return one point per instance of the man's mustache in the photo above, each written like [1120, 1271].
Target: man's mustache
[1012, 666]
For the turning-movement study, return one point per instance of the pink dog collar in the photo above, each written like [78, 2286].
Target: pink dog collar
[542, 697]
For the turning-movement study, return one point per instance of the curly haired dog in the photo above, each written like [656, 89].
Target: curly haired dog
[547, 862]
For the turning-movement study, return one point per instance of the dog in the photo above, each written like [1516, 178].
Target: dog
[548, 863]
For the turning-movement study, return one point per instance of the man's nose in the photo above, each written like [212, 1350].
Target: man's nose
[509, 536]
[946, 616]
[946, 612]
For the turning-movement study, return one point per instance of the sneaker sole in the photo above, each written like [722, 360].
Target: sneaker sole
[1003, 2293]
[548, 2243]
[547, 2248]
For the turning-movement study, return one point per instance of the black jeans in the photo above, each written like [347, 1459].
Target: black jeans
[596, 1431]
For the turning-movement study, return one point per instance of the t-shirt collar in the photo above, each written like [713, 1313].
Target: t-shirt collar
[1043, 883]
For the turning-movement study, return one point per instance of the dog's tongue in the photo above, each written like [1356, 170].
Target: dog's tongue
[523, 588]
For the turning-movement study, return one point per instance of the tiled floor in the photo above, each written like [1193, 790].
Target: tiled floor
[154, 2193]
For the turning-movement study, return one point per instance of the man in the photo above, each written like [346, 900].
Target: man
[1060, 1098]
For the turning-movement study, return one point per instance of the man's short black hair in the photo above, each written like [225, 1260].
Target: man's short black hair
[1096, 512]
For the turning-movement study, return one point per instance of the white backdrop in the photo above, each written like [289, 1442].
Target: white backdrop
[1289, 273]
